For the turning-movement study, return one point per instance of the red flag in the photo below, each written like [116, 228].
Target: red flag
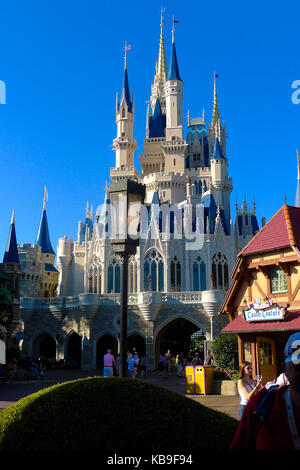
[175, 21]
[127, 48]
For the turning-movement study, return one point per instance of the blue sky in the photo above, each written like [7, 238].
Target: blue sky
[62, 63]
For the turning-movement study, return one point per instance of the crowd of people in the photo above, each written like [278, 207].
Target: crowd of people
[136, 364]
[31, 367]
[169, 364]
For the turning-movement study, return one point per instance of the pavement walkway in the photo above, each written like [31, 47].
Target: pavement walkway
[10, 393]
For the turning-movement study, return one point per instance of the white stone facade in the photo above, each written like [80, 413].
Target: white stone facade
[185, 284]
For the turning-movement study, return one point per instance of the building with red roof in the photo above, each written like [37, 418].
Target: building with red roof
[263, 299]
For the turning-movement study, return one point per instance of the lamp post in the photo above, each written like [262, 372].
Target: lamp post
[125, 198]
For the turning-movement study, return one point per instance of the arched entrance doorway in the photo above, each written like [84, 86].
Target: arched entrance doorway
[178, 336]
[44, 345]
[74, 350]
[104, 343]
[136, 342]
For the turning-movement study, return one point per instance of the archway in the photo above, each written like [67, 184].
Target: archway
[104, 343]
[44, 345]
[176, 336]
[137, 342]
[74, 350]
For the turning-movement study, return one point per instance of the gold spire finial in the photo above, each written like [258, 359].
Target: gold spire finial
[161, 65]
[45, 197]
[285, 199]
[89, 214]
[173, 31]
[188, 116]
[216, 114]
[254, 205]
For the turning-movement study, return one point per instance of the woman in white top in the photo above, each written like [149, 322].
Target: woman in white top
[247, 386]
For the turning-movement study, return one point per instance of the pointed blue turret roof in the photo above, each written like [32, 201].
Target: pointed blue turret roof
[217, 150]
[157, 122]
[43, 238]
[11, 252]
[125, 90]
[173, 69]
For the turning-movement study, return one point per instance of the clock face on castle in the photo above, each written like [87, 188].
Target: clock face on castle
[6, 314]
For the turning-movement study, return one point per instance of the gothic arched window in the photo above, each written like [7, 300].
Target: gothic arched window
[95, 279]
[220, 271]
[114, 277]
[199, 274]
[175, 275]
[154, 272]
[132, 275]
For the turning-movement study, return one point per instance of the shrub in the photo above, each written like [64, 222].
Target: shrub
[113, 415]
[225, 351]
[225, 374]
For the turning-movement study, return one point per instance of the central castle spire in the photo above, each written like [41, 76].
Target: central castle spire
[161, 72]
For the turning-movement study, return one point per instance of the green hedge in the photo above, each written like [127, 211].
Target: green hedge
[113, 415]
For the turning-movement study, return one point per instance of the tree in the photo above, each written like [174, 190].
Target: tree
[225, 351]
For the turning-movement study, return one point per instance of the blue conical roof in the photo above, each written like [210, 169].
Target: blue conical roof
[125, 90]
[43, 238]
[217, 150]
[11, 252]
[173, 69]
[156, 122]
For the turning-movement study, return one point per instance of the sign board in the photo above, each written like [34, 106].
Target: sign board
[2, 352]
[275, 313]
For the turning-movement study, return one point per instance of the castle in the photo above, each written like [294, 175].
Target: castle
[73, 309]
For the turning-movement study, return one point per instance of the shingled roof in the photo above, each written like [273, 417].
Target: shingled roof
[282, 230]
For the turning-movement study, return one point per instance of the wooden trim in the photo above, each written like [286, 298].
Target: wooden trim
[270, 262]
[240, 349]
[259, 288]
[296, 290]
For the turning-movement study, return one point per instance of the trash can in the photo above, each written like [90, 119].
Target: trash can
[204, 380]
[199, 380]
[189, 375]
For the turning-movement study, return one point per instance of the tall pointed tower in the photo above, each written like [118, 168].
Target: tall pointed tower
[11, 252]
[124, 144]
[10, 275]
[175, 146]
[216, 129]
[43, 237]
[158, 87]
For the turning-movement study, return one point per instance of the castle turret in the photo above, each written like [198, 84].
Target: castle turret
[221, 183]
[124, 144]
[174, 97]
[11, 251]
[43, 237]
[175, 146]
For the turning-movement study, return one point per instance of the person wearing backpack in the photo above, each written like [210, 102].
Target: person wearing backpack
[271, 419]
